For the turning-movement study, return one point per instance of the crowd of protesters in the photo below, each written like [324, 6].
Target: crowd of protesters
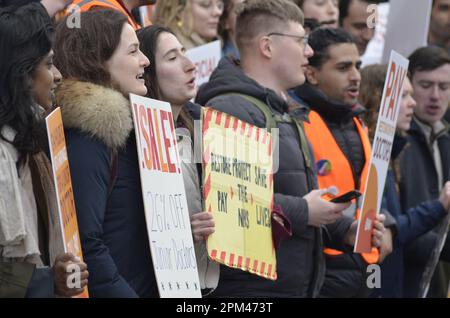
[294, 65]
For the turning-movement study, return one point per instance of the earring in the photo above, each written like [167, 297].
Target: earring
[180, 24]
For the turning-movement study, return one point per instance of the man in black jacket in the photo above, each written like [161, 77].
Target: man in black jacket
[338, 138]
[425, 165]
[274, 54]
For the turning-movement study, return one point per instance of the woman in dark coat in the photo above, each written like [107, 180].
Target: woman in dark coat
[102, 64]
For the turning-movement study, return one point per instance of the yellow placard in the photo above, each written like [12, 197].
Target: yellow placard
[63, 184]
[238, 190]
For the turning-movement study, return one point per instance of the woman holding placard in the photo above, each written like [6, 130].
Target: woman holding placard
[32, 259]
[102, 64]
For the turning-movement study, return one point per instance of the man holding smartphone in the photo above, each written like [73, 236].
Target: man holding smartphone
[340, 144]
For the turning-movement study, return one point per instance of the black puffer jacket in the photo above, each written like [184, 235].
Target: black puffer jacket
[345, 274]
[299, 258]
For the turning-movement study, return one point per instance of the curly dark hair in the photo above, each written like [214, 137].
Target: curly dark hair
[26, 35]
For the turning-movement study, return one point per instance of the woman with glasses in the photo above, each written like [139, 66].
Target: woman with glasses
[194, 22]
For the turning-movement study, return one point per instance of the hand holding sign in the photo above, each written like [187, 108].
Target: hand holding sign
[322, 211]
[202, 225]
[67, 266]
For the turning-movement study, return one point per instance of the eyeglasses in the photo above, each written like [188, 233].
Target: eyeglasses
[211, 4]
[300, 39]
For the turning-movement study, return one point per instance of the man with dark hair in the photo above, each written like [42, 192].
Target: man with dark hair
[274, 54]
[439, 33]
[341, 146]
[425, 165]
[353, 18]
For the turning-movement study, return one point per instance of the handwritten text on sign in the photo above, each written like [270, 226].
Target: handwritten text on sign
[238, 190]
[382, 146]
[164, 197]
[205, 59]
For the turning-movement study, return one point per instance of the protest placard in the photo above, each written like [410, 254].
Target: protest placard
[205, 59]
[63, 186]
[381, 150]
[166, 209]
[238, 190]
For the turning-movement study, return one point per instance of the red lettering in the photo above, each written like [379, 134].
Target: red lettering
[204, 68]
[136, 116]
[154, 150]
[161, 154]
[143, 123]
[167, 141]
[389, 87]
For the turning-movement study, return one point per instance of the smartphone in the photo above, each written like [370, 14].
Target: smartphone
[346, 197]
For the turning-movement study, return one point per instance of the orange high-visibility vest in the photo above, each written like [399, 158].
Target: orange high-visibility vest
[337, 170]
[86, 5]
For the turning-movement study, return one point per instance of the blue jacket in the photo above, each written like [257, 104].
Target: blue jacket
[411, 223]
[110, 209]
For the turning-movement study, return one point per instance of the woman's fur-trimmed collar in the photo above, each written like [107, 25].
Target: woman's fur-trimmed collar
[99, 111]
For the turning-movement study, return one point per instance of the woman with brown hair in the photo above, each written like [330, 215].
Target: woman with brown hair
[171, 78]
[417, 220]
[102, 64]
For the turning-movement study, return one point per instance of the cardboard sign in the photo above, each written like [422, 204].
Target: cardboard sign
[238, 190]
[205, 58]
[63, 185]
[381, 150]
[166, 209]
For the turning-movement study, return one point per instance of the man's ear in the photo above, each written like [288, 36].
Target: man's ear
[265, 46]
[311, 75]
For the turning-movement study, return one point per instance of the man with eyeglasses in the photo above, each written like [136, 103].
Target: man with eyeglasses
[341, 147]
[274, 55]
